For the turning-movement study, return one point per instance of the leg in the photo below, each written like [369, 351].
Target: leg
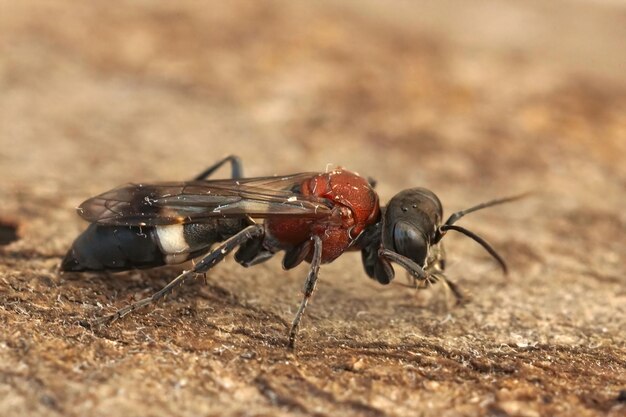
[216, 255]
[439, 266]
[436, 267]
[309, 287]
[458, 295]
[252, 253]
[236, 168]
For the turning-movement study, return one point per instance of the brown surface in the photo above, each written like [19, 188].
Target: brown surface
[93, 95]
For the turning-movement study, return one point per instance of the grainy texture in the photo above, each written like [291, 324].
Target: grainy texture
[94, 95]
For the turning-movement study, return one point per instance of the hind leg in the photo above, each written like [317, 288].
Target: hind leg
[208, 262]
[235, 165]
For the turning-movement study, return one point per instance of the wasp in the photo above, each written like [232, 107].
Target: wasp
[313, 217]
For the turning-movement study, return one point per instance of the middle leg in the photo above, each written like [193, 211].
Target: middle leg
[309, 287]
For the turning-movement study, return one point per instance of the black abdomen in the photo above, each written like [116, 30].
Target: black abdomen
[115, 248]
[120, 248]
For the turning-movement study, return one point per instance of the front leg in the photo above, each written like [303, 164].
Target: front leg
[309, 287]
[436, 267]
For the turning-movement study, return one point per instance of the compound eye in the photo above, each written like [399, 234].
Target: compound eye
[410, 242]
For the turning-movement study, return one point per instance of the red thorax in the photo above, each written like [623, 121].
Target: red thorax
[354, 207]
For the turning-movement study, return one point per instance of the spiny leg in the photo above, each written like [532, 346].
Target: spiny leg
[210, 260]
[235, 164]
[309, 287]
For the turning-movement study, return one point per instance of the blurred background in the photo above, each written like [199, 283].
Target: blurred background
[438, 93]
[473, 100]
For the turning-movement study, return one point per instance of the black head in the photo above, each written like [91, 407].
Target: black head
[407, 228]
[411, 223]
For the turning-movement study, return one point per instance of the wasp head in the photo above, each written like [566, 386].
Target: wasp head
[410, 222]
[404, 235]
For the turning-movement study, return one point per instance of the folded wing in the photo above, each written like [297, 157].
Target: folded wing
[198, 201]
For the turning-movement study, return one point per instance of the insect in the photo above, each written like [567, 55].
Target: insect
[312, 217]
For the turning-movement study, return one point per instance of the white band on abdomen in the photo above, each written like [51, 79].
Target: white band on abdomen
[172, 239]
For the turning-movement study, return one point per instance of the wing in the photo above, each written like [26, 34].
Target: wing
[198, 201]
